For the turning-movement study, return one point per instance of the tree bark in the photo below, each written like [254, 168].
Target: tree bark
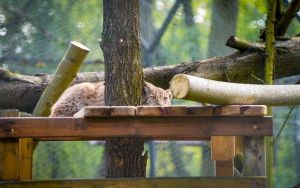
[23, 92]
[124, 77]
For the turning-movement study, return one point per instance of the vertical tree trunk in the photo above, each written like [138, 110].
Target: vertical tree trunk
[124, 79]
[223, 24]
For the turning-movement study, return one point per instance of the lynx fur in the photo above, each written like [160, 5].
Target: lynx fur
[92, 94]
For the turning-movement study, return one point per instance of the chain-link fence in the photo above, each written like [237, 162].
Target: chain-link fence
[76, 159]
[34, 35]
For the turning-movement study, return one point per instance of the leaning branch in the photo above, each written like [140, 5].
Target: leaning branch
[65, 73]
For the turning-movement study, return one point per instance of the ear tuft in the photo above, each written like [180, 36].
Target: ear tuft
[168, 91]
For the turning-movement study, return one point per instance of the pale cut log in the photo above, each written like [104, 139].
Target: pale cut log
[65, 73]
[215, 92]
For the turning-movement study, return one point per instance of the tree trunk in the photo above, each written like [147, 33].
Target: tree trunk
[22, 92]
[124, 78]
[223, 25]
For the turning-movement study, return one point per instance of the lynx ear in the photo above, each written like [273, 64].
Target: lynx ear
[146, 90]
[168, 91]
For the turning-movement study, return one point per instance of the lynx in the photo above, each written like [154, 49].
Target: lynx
[92, 94]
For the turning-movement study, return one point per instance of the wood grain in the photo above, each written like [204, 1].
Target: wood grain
[9, 153]
[245, 182]
[161, 111]
[230, 110]
[166, 128]
[222, 148]
[224, 168]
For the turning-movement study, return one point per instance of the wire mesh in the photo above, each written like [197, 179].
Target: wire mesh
[35, 34]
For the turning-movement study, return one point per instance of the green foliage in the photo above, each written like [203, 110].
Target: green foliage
[67, 160]
[35, 34]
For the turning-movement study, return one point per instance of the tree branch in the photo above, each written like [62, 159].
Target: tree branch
[287, 17]
[164, 26]
[243, 45]
[282, 24]
[241, 67]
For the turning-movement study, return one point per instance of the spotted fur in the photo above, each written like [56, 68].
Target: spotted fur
[92, 94]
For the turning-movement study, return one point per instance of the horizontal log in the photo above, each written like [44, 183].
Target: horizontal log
[215, 92]
[161, 128]
[22, 92]
[245, 182]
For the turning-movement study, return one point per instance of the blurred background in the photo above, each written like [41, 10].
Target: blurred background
[35, 34]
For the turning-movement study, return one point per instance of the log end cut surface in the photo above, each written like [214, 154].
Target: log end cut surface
[179, 86]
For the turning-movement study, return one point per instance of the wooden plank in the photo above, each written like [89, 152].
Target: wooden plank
[9, 153]
[9, 159]
[200, 111]
[122, 110]
[222, 148]
[161, 111]
[224, 168]
[246, 110]
[230, 110]
[245, 182]
[253, 110]
[93, 111]
[26, 158]
[171, 128]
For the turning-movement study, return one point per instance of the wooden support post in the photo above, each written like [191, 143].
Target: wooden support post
[222, 151]
[9, 153]
[15, 155]
[25, 158]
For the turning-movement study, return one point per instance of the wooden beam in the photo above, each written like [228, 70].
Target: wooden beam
[245, 182]
[222, 148]
[9, 153]
[229, 110]
[224, 168]
[165, 128]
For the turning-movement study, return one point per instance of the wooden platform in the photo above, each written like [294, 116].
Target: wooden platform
[245, 182]
[220, 124]
[163, 123]
[231, 110]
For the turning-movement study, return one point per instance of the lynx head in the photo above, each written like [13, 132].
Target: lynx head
[155, 96]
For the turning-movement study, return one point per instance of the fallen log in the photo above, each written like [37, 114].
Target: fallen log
[22, 92]
[215, 92]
